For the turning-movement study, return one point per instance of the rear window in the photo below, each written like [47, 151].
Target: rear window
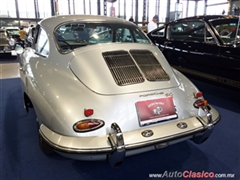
[75, 35]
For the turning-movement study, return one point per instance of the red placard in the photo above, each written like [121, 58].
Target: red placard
[155, 110]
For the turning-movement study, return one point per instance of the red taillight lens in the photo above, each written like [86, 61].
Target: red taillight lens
[200, 103]
[88, 125]
[88, 112]
[198, 94]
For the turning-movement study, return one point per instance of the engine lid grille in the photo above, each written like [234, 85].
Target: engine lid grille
[149, 65]
[122, 67]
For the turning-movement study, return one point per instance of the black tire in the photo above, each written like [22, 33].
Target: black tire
[45, 148]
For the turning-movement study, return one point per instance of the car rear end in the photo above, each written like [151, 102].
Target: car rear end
[131, 101]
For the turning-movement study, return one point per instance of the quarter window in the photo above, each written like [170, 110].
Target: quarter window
[42, 45]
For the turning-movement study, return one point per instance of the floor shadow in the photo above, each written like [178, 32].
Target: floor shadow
[12, 111]
[173, 158]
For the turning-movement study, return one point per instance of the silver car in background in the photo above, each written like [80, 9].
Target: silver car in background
[102, 91]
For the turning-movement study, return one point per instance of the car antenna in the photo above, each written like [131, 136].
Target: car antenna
[235, 40]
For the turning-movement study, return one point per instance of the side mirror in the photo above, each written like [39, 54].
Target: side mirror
[19, 49]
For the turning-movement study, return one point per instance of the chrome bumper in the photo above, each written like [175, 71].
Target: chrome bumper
[118, 144]
[117, 141]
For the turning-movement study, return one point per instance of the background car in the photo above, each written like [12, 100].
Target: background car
[110, 95]
[203, 46]
[13, 32]
[5, 47]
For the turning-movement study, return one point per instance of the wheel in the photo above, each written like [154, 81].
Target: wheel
[45, 148]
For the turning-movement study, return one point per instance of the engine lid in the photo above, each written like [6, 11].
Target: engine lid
[108, 69]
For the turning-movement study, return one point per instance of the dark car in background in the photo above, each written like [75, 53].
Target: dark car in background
[203, 46]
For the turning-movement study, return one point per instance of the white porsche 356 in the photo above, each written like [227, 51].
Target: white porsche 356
[102, 90]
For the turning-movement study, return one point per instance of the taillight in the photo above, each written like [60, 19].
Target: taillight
[200, 103]
[88, 125]
[198, 94]
[88, 112]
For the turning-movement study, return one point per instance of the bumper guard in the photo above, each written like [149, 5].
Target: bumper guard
[117, 143]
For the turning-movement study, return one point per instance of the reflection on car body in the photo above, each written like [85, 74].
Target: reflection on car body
[203, 46]
[109, 96]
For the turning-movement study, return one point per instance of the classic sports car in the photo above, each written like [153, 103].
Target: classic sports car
[203, 46]
[100, 97]
[6, 44]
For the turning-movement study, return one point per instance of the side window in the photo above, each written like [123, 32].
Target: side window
[190, 31]
[42, 43]
[160, 32]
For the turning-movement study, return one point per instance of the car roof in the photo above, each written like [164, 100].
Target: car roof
[208, 17]
[56, 20]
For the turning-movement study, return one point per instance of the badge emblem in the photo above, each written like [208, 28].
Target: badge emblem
[147, 133]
